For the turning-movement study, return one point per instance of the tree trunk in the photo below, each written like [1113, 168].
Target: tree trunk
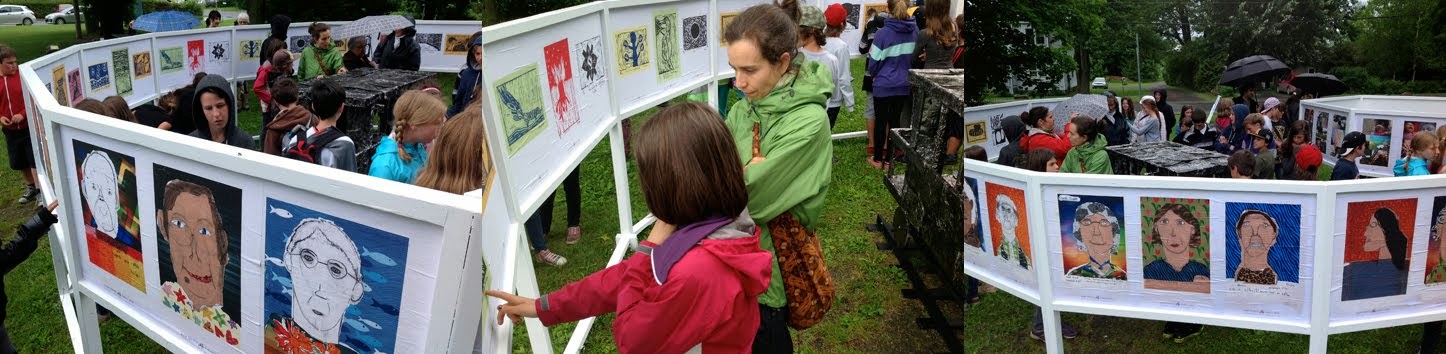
[488, 12]
[253, 9]
[78, 15]
[1082, 75]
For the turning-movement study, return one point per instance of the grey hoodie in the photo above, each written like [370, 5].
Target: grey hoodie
[234, 135]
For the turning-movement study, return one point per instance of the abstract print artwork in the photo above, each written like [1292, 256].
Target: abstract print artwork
[695, 32]
[670, 62]
[632, 46]
[522, 106]
[561, 88]
[590, 71]
[121, 61]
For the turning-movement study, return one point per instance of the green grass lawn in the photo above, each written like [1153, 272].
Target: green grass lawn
[30, 41]
[869, 315]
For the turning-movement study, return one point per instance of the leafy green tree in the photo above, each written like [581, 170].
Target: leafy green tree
[1401, 39]
[996, 50]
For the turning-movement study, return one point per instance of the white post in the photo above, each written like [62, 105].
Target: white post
[1320, 299]
[1053, 339]
[526, 282]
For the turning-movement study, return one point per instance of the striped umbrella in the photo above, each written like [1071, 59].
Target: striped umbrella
[165, 21]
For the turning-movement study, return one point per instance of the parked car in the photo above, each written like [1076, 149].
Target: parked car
[16, 14]
[1099, 82]
[64, 17]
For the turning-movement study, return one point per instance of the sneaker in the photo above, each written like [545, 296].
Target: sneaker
[553, 259]
[1188, 331]
[29, 194]
[1067, 331]
[574, 233]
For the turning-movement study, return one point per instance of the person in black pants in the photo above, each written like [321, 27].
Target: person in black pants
[16, 252]
[1167, 111]
[573, 190]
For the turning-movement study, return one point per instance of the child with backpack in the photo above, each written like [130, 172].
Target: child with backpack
[289, 115]
[401, 155]
[324, 144]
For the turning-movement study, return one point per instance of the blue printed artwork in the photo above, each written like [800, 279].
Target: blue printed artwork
[99, 76]
[632, 47]
[331, 283]
[1262, 243]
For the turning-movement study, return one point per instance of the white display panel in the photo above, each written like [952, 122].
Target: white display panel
[727, 10]
[248, 47]
[179, 57]
[444, 45]
[650, 54]
[58, 76]
[122, 69]
[549, 103]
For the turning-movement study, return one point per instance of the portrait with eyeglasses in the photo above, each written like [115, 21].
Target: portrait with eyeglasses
[198, 222]
[1010, 231]
[1092, 235]
[331, 282]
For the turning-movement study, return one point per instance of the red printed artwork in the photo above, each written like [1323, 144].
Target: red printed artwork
[195, 51]
[560, 86]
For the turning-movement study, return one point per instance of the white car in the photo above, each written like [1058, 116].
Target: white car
[1099, 82]
[63, 17]
[16, 14]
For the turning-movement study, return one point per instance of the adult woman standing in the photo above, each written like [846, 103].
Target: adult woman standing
[1149, 126]
[782, 135]
[1040, 132]
[888, 64]
[1088, 153]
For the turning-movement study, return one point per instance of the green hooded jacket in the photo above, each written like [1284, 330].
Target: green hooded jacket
[310, 67]
[797, 148]
[1088, 158]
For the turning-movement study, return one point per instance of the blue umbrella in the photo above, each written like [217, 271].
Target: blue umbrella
[165, 21]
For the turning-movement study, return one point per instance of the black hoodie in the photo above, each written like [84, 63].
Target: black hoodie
[279, 24]
[1166, 110]
[234, 135]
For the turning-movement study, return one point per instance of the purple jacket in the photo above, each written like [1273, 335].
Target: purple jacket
[890, 57]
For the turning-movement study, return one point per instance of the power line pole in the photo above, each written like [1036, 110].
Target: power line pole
[1139, 84]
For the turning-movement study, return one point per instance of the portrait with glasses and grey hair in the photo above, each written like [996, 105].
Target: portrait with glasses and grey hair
[1095, 231]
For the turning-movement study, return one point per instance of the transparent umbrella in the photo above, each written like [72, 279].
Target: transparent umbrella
[1088, 105]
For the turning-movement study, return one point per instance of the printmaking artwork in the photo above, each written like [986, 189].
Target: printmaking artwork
[1092, 234]
[522, 107]
[250, 49]
[120, 60]
[632, 45]
[99, 74]
[1435, 267]
[77, 87]
[695, 32]
[172, 60]
[457, 44]
[852, 20]
[431, 42]
[725, 19]
[1378, 248]
[298, 43]
[560, 86]
[587, 55]
[1010, 229]
[220, 53]
[195, 52]
[60, 90]
[141, 64]
[332, 285]
[665, 28]
[1262, 243]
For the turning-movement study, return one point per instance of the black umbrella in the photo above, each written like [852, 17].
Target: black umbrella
[1319, 84]
[1251, 70]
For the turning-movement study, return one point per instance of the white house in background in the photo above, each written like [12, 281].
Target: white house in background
[1016, 84]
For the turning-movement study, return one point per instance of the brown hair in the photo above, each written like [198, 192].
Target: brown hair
[1185, 214]
[1243, 162]
[1255, 118]
[1037, 160]
[415, 108]
[899, 8]
[1034, 116]
[1421, 141]
[459, 160]
[937, 23]
[7, 52]
[316, 28]
[1086, 127]
[168, 102]
[770, 28]
[175, 187]
[119, 109]
[93, 106]
[688, 165]
[976, 153]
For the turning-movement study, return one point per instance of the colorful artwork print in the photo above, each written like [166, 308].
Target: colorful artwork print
[1262, 243]
[1092, 234]
[560, 87]
[107, 186]
[695, 32]
[59, 89]
[198, 222]
[522, 109]
[121, 60]
[77, 87]
[1010, 229]
[456, 44]
[332, 285]
[1378, 142]
[725, 19]
[40, 134]
[431, 42]
[1322, 130]
[870, 11]
[99, 74]
[250, 48]
[1409, 130]
[1435, 267]
[665, 26]
[195, 51]
[172, 60]
[1338, 131]
[1378, 248]
[141, 64]
[1175, 235]
[632, 45]
[591, 73]
[976, 132]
